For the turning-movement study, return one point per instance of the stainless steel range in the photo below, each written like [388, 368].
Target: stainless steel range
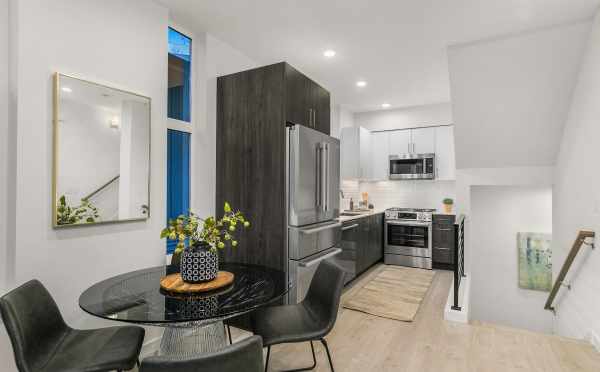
[408, 237]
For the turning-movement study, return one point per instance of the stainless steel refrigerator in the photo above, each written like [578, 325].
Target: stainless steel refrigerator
[313, 183]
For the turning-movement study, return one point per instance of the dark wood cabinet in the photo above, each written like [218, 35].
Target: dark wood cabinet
[298, 97]
[443, 244]
[375, 239]
[370, 242]
[253, 108]
[321, 106]
[362, 255]
[307, 103]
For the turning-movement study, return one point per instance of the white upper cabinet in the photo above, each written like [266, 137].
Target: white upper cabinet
[355, 153]
[399, 142]
[350, 157]
[423, 140]
[444, 153]
[365, 154]
[380, 152]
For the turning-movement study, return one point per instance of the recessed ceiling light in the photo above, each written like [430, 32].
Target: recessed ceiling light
[329, 53]
[385, 105]
[67, 89]
[361, 83]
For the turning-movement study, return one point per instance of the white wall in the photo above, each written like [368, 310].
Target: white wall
[510, 96]
[577, 200]
[123, 44]
[218, 59]
[407, 117]
[4, 139]
[498, 214]
[6, 361]
[466, 179]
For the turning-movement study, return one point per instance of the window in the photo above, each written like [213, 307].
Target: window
[180, 58]
[179, 127]
[178, 177]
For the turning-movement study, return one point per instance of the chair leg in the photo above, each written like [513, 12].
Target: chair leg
[267, 361]
[328, 354]
[229, 333]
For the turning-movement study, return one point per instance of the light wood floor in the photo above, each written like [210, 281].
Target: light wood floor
[362, 342]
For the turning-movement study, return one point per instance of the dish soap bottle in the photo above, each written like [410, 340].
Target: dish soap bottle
[351, 204]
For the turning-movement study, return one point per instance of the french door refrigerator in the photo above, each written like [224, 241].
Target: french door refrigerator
[313, 182]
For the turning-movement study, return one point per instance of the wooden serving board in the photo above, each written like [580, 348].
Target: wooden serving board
[174, 283]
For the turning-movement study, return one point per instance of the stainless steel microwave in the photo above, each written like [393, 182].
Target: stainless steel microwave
[412, 167]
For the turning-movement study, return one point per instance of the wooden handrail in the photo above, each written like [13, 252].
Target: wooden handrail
[581, 237]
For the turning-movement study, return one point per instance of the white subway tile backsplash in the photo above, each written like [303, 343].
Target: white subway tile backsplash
[410, 194]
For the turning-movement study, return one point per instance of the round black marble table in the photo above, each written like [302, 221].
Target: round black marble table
[193, 323]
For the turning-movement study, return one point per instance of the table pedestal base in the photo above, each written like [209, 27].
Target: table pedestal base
[193, 341]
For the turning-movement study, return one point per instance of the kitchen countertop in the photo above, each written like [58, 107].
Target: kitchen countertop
[362, 215]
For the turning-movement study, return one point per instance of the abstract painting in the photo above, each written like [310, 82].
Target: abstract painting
[535, 261]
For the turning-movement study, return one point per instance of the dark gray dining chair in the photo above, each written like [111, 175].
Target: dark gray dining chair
[42, 341]
[311, 320]
[246, 356]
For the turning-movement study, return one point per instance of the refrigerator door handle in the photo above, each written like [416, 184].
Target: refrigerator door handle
[324, 176]
[318, 177]
[322, 228]
[314, 261]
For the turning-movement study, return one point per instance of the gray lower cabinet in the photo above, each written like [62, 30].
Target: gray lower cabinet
[443, 243]
[369, 242]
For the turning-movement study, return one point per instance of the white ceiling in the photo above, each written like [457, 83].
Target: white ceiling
[397, 46]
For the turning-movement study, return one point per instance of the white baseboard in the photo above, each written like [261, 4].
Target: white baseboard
[594, 340]
[462, 315]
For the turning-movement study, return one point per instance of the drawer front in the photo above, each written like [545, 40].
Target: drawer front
[443, 236]
[443, 255]
[445, 219]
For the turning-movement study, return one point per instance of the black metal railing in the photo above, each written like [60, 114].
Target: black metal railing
[459, 259]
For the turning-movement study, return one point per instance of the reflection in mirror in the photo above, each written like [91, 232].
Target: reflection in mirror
[101, 153]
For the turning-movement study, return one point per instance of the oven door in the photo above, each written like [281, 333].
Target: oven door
[409, 238]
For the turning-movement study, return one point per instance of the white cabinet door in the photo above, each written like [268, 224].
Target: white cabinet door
[365, 154]
[350, 153]
[423, 140]
[380, 155]
[399, 142]
[444, 153]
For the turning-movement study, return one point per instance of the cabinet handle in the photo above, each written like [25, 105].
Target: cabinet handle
[444, 229]
[314, 118]
[310, 117]
[345, 228]
[442, 248]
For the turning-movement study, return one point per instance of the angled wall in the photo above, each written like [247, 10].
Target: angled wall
[510, 96]
[577, 200]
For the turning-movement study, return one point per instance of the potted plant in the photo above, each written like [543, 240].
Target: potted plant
[199, 239]
[448, 203]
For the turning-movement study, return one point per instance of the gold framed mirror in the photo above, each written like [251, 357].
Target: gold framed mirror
[101, 165]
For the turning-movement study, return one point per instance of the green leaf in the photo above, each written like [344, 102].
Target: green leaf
[227, 207]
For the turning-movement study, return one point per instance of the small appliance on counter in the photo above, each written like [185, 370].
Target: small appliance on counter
[408, 237]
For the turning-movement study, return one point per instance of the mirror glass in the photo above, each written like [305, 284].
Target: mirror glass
[101, 153]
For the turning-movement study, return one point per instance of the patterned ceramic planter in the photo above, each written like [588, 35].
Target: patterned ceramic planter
[199, 264]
